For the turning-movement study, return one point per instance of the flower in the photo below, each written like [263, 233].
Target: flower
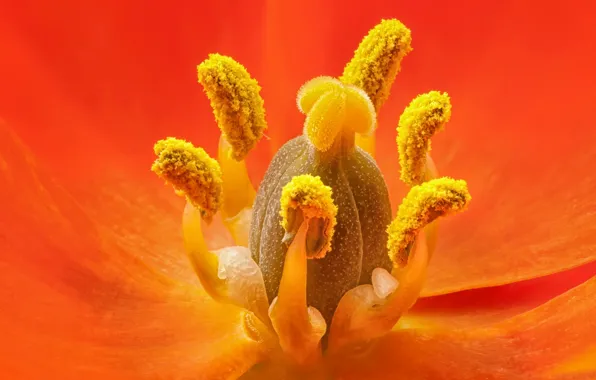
[94, 279]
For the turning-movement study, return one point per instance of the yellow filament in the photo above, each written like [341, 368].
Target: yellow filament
[411, 278]
[239, 226]
[204, 262]
[423, 204]
[236, 102]
[314, 200]
[425, 115]
[377, 60]
[300, 328]
[238, 192]
[191, 172]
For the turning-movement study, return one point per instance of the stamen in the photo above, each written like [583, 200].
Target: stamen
[307, 198]
[309, 218]
[236, 102]
[191, 172]
[377, 60]
[423, 204]
[425, 115]
[230, 275]
[375, 65]
[239, 112]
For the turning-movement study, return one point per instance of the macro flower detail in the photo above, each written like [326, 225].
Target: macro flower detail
[322, 250]
[423, 204]
[192, 173]
[236, 103]
[377, 60]
[105, 273]
[425, 115]
[306, 198]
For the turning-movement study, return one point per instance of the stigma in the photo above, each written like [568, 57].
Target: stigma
[319, 264]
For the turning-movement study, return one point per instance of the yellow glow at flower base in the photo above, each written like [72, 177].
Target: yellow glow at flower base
[370, 311]
[228, 275]
[300, 328]
[582, 363]
[204, 263]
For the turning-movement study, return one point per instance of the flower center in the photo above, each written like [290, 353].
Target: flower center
[318, 263]
[327, 149]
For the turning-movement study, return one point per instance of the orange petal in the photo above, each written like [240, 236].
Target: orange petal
[485, 306]
[117, 77]
[554, 340]
[77, 302]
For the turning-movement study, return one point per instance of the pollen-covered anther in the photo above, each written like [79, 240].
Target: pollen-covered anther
[331, 107]
[423, 117]
[305, 199]
[191, 172]
[236, 102]
[377, 60]
[423, 204]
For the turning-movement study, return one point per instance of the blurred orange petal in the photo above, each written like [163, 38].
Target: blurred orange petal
[521, 347]
[485, 306]
[79, 297]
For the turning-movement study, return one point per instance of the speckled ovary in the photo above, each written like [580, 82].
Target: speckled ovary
[359, 242]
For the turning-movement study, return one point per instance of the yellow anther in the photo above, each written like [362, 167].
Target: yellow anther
[377, 60]
[423, 204]
[313, 199]
[236, 102]
[331, 106]
[191, 172]
[425, 115]
[326, 118]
